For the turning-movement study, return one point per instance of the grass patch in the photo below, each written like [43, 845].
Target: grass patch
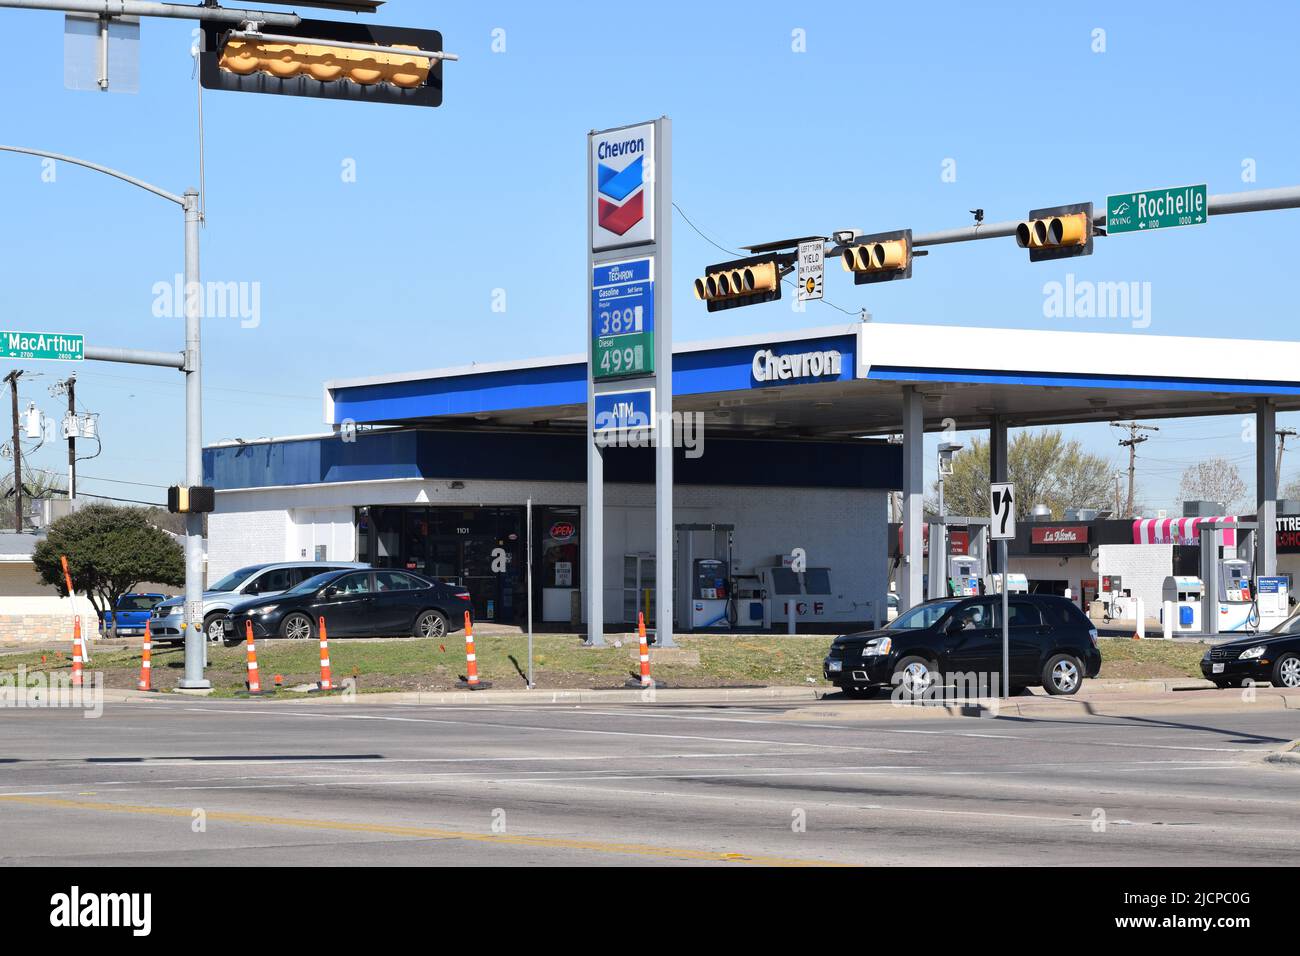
[1130, 659]
[560, 662]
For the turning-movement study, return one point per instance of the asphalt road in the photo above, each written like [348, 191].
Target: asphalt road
[194, 782]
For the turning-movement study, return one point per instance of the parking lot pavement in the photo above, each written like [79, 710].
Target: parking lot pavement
[237, 782]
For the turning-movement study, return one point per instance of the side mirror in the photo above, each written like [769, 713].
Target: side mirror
[331, 592]
[952, 627]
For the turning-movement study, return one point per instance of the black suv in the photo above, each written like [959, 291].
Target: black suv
[1051, 643]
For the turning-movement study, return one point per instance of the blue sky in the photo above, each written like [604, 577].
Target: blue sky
[397, 269]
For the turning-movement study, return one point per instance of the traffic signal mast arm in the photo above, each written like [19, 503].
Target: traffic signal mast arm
[1256, 200]
[144, 8]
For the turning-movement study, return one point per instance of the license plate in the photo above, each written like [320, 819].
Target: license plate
[1216, 668]
[834, 666]
[228, 625]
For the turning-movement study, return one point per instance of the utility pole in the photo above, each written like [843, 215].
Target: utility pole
[1133, 440]
[71, 386]
[12, 379]
[1283, 434]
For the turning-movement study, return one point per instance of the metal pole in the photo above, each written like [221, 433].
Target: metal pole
[12, 379]
[528, 511]
[663, 345]
[1006, 624]
[72, 443]
[147, 8]
[195, 649]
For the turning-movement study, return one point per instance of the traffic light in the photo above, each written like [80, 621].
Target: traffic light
[729, 285]
[1057, 233]
[200, 499]
[879, 257]
[326, 59]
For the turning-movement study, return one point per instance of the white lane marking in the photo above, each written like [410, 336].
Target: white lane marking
[559, 730]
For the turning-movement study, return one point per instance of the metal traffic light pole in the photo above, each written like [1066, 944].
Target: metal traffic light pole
[190, 362]
[1255, 200]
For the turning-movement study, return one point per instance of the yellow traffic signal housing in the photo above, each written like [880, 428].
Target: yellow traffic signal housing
[728, 285]
[325, 63]
[1057, 232]
[879, 257]
[197, 499]
[319, 58]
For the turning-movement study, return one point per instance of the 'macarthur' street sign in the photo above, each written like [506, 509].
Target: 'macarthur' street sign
[56, 346]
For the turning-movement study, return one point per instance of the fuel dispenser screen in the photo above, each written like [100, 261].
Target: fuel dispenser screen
[710, 579]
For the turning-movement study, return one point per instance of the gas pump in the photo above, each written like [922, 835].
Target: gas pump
[956, 575]
[1237, 608]
[705, 591]
[964, 573]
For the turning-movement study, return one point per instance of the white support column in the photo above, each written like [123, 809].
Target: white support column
[911, 579]
[1266, 485]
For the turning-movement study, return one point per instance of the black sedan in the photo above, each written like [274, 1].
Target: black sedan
[353, 604]
[1269, 658]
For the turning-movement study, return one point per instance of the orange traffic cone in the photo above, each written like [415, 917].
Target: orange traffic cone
[146, 661]
[471, 659]
[325, 682]
[254, 684]
[646, 679]
[77, 653]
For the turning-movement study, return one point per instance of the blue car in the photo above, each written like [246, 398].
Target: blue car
[131, 613]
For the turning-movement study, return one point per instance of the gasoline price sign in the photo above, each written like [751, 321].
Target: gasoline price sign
[622, 319]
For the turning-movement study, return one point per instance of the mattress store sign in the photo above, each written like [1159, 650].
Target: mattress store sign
[622, 177]
[769, 367]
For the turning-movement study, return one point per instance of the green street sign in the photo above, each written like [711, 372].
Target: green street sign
[56, 346]
[1153, 209]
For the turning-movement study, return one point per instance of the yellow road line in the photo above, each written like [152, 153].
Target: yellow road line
[428, 833]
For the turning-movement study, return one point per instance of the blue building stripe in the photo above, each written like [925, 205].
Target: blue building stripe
[1080, 380]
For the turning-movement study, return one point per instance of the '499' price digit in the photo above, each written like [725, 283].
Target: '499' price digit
[616, 361]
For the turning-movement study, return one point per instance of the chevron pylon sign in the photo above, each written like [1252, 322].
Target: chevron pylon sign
[622, 174]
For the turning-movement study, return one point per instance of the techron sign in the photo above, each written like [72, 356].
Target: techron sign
[770, 367]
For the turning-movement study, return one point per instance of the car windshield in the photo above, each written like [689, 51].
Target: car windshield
[312, 583]
[137, 602]
[922, 616]
[1290, 626]
[231, 580]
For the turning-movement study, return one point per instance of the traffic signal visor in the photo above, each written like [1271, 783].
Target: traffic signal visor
[326, 63]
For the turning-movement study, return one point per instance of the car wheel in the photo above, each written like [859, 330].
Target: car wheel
[214, 628]
[431, 624]
[914, 676]
[1062, 675]
[296, 627]
[1286, 672]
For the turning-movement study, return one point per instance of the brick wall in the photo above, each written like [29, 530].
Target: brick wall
[1143, 568]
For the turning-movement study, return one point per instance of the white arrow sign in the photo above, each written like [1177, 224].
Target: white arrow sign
[1003, 517]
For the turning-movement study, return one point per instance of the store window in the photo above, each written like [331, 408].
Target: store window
[561, 537]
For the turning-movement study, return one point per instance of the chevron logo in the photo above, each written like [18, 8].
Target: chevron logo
[624, 187]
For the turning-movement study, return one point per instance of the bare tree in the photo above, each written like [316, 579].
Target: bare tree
[1216, 479]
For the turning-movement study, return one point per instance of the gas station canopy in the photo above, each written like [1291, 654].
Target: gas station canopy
[847, 381]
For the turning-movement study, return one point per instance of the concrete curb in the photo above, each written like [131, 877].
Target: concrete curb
[1288, 756]
[538, 696]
